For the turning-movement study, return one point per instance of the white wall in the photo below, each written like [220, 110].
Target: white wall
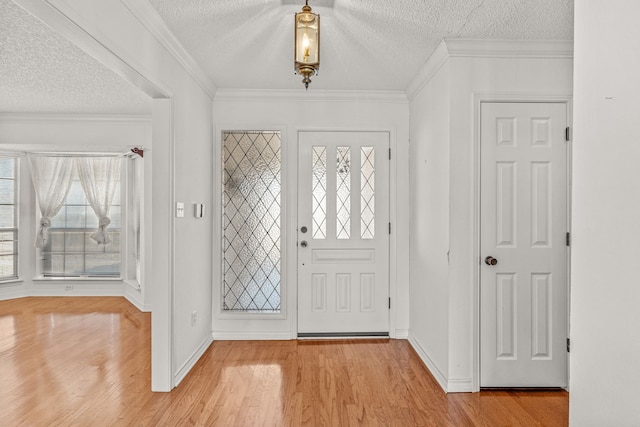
[429, 239]
[477, 69]
[20, 132]
[297, 110]
[605, 295]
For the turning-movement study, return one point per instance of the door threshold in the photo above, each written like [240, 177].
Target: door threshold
[525, 388]
[341, 335]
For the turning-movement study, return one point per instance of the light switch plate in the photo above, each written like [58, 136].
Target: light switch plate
[179, 210]
[198, 210]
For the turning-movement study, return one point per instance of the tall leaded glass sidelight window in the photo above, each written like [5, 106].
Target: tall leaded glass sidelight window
[251, 221]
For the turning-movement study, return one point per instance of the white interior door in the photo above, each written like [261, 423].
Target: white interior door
[343, 233]
[523, 229]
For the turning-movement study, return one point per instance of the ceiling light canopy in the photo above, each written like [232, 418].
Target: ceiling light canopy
[307, 44]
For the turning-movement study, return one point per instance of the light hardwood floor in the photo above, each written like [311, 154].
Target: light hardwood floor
[86, 362]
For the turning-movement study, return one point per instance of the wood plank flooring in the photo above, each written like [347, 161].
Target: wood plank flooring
[86, 362]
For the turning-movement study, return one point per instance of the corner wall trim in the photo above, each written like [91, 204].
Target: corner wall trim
[153, 22]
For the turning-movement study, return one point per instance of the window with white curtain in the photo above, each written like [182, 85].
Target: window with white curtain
[70, 251]
[8, 219]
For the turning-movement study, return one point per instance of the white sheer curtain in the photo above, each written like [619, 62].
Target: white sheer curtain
[100, 177]
[51, 178]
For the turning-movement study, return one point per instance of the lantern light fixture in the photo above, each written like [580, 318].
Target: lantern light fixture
[307, 44]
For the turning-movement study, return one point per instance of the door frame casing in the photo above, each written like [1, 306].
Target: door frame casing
[393, 214]
[289, 211]
[480, 98]
[392, 243]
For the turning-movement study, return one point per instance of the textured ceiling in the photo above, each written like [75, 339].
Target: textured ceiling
[42, 72]
[365, 45]
[247, 44]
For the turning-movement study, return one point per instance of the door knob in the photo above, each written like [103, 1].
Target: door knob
[303, 243]
[490, 260]
[303, 229]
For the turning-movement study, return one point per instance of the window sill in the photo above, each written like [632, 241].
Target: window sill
[11, 281]
[77, 279]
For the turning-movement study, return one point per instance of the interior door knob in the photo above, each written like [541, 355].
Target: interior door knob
[490, 260]
[303, 243]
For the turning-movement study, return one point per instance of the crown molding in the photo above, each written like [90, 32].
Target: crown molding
[152, 21]
[430, 68]
[74, 118]
[292, 95]
[479, 48]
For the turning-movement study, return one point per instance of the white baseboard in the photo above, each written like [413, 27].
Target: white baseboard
[431, 366]
[76, 288]
[134, 296]
[9, 293]
[252, 336]
[190, 363]
[401, 334]
[460, 385]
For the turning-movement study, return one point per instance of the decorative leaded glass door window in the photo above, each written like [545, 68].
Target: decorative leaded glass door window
[251, 221]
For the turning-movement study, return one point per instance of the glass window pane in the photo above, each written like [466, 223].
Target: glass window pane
[73, 265]
[7, 236]
[102, 264]
[7, 248]
[251, 221]
[7, 187]
[76, 196]
[70, 251]
[74, 241]
[58, 221]
[319, 192]
[7, 266]
[91, 219]
[114, 246]
[56, 241]
[343, 193]
[7, 167]
[55, 264]
[76, 217]
[7, 219]
[367, 193]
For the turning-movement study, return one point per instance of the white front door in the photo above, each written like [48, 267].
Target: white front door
[343, 233]
[524, 221]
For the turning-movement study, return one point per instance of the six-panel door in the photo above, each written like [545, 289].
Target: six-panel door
[523, 228]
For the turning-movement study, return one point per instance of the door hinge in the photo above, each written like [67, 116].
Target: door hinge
[568, 345]
[389, 228]
[568, 239]
[389, 153]
[567, 134]
[389, 303]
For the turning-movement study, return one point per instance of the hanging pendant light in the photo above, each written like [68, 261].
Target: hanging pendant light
[307, 44]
